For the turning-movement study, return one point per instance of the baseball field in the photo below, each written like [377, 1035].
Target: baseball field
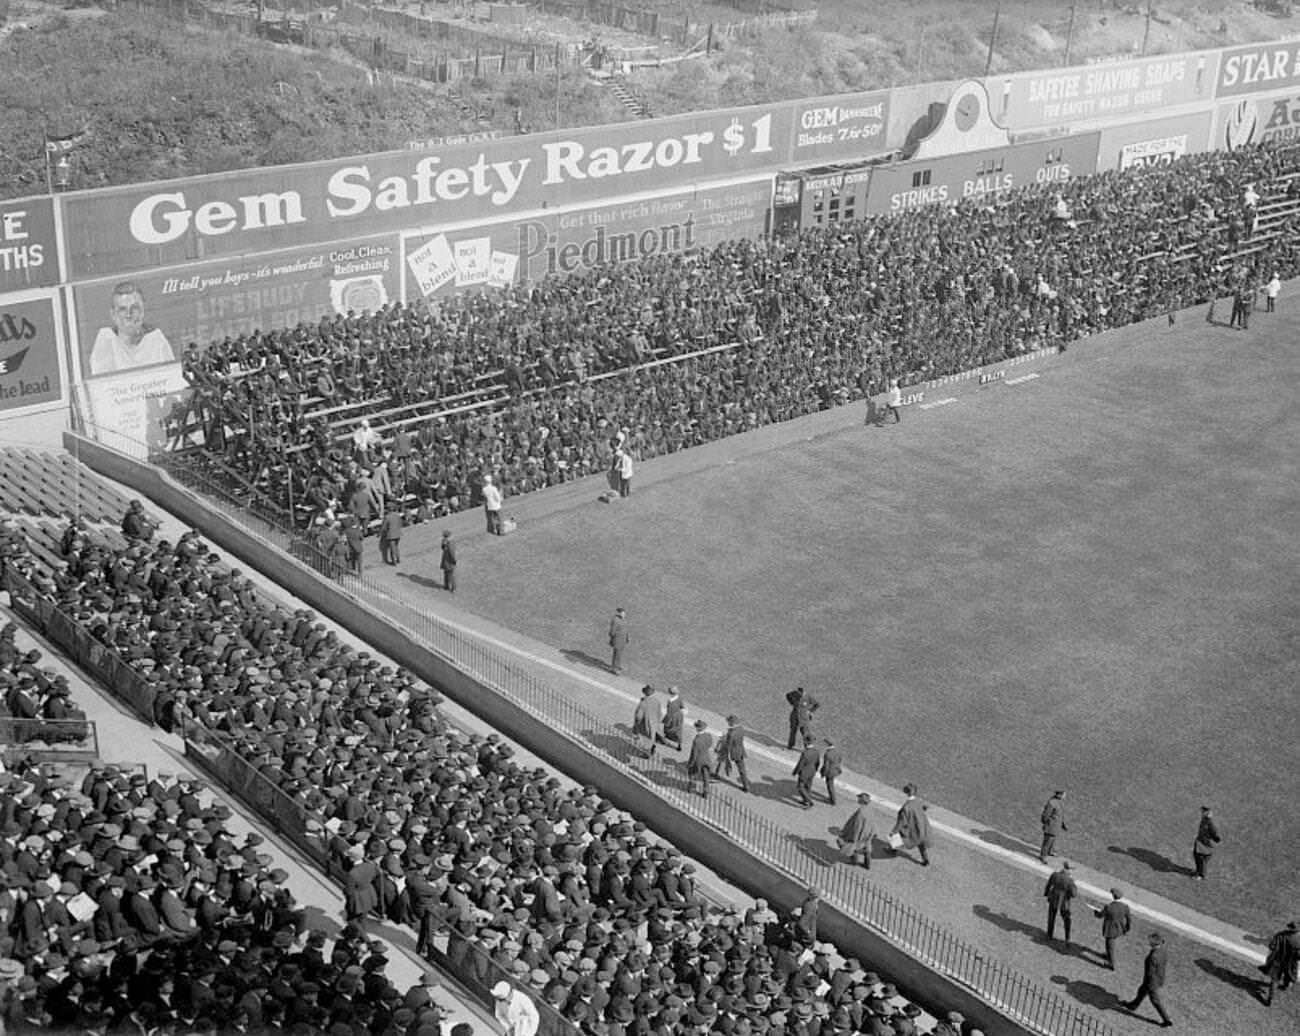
[1085, 580]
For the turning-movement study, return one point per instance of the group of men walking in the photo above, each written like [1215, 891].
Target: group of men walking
[657, 722]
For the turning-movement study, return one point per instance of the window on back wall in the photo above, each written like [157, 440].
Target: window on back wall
[921, 179]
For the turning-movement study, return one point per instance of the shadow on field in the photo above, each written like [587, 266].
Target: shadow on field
[1002, 841]
[1033, 933]
[1158, 863]
[425, 581]
[818, 850]
[582, 658]
[1246, 983]
[766, 740]
[775, 788]
[621, 747]
[1090, 994]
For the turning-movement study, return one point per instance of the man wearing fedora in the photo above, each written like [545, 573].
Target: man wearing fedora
[1153, 979]
[912, 826]
[699, 763]
[731, 752]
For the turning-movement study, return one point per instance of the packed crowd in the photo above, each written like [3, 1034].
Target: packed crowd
[820, 318]
[36, 700]
[429, 827]
[127, 904]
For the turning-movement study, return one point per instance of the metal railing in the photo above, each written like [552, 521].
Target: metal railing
[108, 668]
[930, 942]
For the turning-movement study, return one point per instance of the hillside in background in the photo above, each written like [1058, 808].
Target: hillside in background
[867, 44]
[177, 99]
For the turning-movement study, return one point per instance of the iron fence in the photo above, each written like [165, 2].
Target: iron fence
[847, 889]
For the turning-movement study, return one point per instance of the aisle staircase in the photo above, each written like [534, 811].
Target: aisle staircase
[628, 95]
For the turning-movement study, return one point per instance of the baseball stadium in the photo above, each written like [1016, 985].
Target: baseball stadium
[635, 520]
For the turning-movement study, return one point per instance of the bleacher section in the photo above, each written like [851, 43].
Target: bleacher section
[484, 858]
[531, 386]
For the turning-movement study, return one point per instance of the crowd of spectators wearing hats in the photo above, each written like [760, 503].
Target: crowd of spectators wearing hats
[35, 695]
[822, 317]
[128, 906]
[429, 826]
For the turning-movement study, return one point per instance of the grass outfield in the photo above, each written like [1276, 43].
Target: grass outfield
[1088, 580]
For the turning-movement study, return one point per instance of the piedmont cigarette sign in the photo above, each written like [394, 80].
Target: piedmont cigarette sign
[120, 230]
[533, 248]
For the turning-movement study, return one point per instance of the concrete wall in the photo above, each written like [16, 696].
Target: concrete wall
[710, 845]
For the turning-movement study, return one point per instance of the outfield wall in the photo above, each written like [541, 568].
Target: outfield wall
[220, 255]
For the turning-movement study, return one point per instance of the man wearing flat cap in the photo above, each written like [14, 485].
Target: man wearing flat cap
[1115, 923]
[951, 1025]
[1153, 979]
[1059, 893]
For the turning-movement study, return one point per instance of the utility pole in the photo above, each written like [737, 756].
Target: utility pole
[1069, 33]
[557, 85]
[1146, 33]
[993, 39]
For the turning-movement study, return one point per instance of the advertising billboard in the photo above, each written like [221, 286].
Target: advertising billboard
[1258, 68]
[980, 175]
[1257, 120]
[29, 256]
[117, 231]
[1060, 97]
[127, 410]
[150, 317]
[1154, 141]
[439, 263]
[29, 354]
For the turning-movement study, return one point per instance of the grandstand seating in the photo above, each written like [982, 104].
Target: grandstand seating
[677, 350]
[182, 913]
[435, 829]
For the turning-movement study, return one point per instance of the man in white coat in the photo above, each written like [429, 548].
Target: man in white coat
[515, 1010]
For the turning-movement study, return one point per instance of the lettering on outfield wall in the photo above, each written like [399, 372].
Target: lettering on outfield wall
[120, 230]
